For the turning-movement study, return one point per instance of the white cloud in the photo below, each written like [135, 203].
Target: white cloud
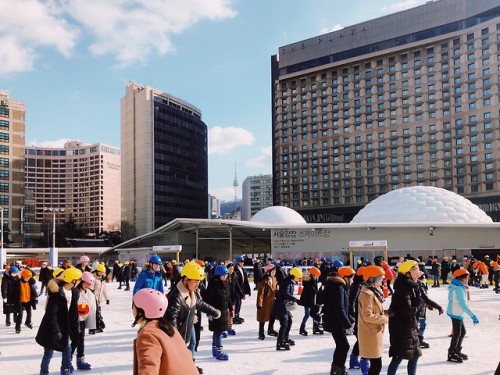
[222, 140]
[58, 143]
[327, 30]
[263, 161]
[225, 193]
[131, 30]
[403, 5]
[26, 25]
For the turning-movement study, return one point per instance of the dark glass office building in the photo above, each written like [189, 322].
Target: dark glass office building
[164, 160]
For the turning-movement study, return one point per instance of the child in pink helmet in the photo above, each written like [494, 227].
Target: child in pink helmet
[158, 348]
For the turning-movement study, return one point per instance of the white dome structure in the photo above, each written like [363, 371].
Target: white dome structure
[421, 204]
[278, 215]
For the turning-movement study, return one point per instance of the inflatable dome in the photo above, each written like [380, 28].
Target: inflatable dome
[278, 215]
[421, 204]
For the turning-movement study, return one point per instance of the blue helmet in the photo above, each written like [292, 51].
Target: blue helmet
[338, 263]
[14, 269]
[155, 259]
[221, 270]
[240, 259]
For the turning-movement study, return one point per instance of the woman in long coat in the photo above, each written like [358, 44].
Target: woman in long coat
[371, 320]
[403, 326]
[266, 294]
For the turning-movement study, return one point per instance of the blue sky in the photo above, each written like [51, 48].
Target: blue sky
[70, 60]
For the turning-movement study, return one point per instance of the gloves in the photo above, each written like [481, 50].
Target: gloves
[475, 320]
[5, 300]
[440, 309]
[217, 314]
[244, 297]
[107, 302]
[58, 336]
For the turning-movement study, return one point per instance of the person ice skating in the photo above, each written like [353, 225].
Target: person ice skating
[87, 310]
[336, 319]
[159, 348]
[308, 298]
[44, 277]
[390, 275]
[445, 270]
[242, 278]
[403, 327]
[285, 301]
[9, 294]
[126, 275]
[354, 290]
[218, 296]
[27, 298]
[371, 321]
[150, 276]
[101, 296]
[435, 272]
[422, 312]
[235, 292]
[184, 301]
[60, 322]
[266, 294]
[457, 307]
[84, 264]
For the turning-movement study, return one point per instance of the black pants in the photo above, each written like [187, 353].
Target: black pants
[19, 318]
[80, 346]
[285, 327]
[375, 366]
[341, 349]
[44, 286]
[458, 334]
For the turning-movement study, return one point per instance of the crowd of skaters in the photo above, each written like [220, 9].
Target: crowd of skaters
[340, 300]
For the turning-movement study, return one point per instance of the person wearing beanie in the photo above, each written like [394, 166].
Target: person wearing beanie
[371, 321]
[457, 307]
[266, 294]
[403, 328]
[308, 298]
[422, 312]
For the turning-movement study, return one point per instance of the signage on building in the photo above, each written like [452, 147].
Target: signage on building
[157, 249]
[298, 240]
[367, 243]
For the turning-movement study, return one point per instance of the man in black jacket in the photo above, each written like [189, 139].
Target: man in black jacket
[242, 278]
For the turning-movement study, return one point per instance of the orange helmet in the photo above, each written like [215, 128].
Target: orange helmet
[314, 271]
[460, 272]
[200, 262]
[346, 271]
[26, 274]
[372, 272]
[360, 271]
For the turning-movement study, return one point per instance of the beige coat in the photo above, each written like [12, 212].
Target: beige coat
[155, 353]
[266, 294]
[371, 324]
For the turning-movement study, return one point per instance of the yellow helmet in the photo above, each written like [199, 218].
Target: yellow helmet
[295, 271]
[57, 272]
[100, 268]
[71, 274]
[407, 266]
[193, 271]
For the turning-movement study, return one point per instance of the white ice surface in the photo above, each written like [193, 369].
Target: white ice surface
[111, 352]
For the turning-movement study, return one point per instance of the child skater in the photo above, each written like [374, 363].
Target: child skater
[159, 348]
[101, 295]
[60, 321]
[457, 307]
[422, 310]
[28, 298]
[87, 307]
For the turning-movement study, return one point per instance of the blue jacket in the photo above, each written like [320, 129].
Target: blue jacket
[457, 300]
[147, 278]
[284, 294]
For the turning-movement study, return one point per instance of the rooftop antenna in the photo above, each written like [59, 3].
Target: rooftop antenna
[235, 183]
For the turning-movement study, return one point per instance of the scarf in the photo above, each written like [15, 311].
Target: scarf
[377, 293]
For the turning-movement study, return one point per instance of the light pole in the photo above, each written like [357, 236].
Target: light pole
[3, 254]
[53, 251]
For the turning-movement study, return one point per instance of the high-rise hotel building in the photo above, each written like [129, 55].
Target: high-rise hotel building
[80, 181]
[12, 140]
[257, 194]
[406, 99]
[164, 160]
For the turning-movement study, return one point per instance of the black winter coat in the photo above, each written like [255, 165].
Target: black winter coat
[181, 315]
[403, 329]
[309, 293]
[284, 294]
[11, 290]
[257, 272]
[336, 318]
[45, 275]
[233, 286]
[59, 319]
[423, 288]
[242, 278]
[218, 296]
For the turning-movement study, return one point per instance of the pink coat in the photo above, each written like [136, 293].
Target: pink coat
[156, 353]
[371, 324]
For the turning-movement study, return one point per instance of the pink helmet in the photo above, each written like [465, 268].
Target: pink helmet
[88, 277]
[153, 302]
[269, 267]
[84, 258]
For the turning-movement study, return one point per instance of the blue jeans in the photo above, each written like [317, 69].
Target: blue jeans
[436, 279]
[422, 323]
[47, 356]
[192, 341]
[217, 339]
[396, 361]
[307, 314]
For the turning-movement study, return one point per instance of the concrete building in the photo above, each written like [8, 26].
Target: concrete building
[164, 160]
[79, 181]
[213, 207]
[12, 130]
[409, 99]
[257, 194]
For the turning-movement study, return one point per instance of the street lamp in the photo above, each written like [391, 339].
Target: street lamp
[3, 254]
